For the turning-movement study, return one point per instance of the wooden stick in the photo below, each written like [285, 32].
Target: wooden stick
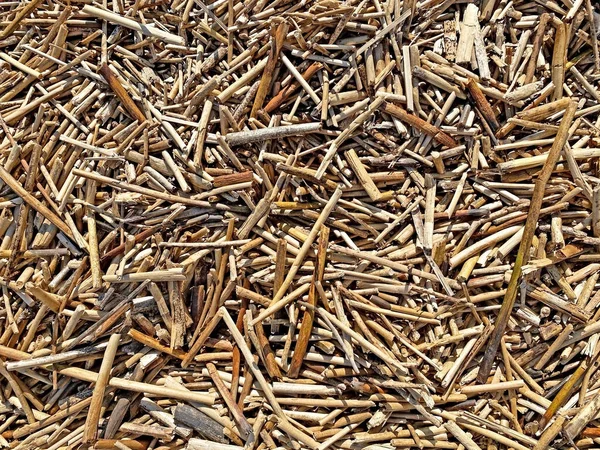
[238, 415]
[309, 314]
[90, 433]
[420, 124]
[331, 204]
[146, 30]
[522, 255]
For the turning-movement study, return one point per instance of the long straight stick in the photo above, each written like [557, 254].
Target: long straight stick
[523, 253]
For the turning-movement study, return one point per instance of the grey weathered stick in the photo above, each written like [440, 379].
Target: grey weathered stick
[265, 134]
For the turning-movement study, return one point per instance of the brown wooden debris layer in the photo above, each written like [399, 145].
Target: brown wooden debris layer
[315, 224]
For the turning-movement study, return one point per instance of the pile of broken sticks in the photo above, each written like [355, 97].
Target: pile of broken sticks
[354, 224]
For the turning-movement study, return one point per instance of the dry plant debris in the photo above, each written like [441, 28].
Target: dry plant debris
[310, 224]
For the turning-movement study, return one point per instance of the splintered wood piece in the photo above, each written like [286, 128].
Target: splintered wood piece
[482, 103]
[120, 92]
[419, 124]
[278, 36]
[537, 44]
[362, 175]
[150, 31]
[244, 427]
[585, 415]
[468, 28]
